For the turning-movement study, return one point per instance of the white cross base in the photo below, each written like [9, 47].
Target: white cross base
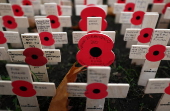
[97, 75]
[158, 86]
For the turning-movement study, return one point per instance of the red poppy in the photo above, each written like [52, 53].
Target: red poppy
[9, 22]
[167, 90]
[46, 38]
[54, 21]
[158, 1]
[26, 2]
[137, 17]
[92, 11]
[59, 10]
[145, 35]
[95, 50]
[2, 38]
[165, 7]
[121, 1]
[17, 10]
[96, 91]
[34, 57]
[23, 88]
[129, 7]
[156, 53]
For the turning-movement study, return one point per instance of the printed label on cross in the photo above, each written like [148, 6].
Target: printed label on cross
[160, 86]
[63, 10]
[34, 56]
[97, 88]
[21, 84]
[93, 23]
[153, 54]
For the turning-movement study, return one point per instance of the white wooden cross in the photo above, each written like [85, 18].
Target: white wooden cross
[153, 54]
[44, 27]
[122, 7]
[112, 2]
[66, 10]
[80, 8]
[62, 21]
[26, 10]
[21, 84]
[36, 60]
[161, 85]
[11, 22]
[143, 35]
[93, 23]
[97, 88]
[135, 18]
[161, 8]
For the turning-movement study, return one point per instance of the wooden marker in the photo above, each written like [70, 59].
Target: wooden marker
[160, 86]
[152, 54]
[143, 35]
[87, 2]
[65, 10]
[93, 23]
[34, 56]
[11, 23]
[97, 88]
[135, 18]
[21, 84]
[161, 8]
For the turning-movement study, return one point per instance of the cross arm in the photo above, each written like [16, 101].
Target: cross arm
[118, 7]
[131, 34]
[114, 90]
[125, 17]
[52, 55]
[167, 13]
[5, 88]
[157, 85]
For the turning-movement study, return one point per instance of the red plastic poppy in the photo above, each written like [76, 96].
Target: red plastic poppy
[167, 90]
[145, 35]
[129, 7]
[59, 10]
[92, 11]
[46, 38]
[165, 7]
[137, 17]
[96, 91]
[17, 10]
[158, 1]
[23, 88]
[121, 1]
[156, 53]
[54, 21]
[95, 50]
[26, 2]
[34, 57]
[9, 22]
[2, 38]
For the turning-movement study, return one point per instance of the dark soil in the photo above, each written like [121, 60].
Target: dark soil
[122, 72]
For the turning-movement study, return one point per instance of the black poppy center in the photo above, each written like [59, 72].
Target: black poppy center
[9, 22]
[34, 56]
[96, 91]
[156, 53]
[46, 38]
[146, 35]
[16, 10]
[95, 52]
[129, 8]
[23, 88]
[93, 16]
[138, 17]
[52, 21]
